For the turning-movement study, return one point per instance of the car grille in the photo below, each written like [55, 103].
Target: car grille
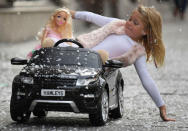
[56, 82]
[55, 107]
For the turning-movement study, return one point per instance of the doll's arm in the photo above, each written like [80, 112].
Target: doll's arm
[93, 18]
[44, 35]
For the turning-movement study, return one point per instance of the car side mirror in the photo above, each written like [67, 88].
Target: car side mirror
[18, 61]
[113, 64]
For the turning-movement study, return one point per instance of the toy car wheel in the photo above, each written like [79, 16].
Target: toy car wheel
[16, 111]
[40, 113]
[18, 107]
[101, 116]
[119, 111]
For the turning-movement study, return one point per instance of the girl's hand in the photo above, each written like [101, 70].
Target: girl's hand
[72, 13]
[163, 114]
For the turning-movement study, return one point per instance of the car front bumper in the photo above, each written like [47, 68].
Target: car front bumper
[77, 99]
[78, 103]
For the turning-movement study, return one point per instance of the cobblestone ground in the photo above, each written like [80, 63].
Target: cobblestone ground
[140, 112]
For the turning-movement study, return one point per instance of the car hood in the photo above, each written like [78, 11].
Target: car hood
[60, 72]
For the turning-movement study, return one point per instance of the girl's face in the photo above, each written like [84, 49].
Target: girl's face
[60, 18]
[134, 27]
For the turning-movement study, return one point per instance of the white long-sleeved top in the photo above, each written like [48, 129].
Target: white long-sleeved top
[117, 45]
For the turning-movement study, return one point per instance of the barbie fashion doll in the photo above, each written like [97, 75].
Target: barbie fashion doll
[58, 27]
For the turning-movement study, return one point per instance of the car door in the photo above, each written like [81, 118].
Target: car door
[111, 74]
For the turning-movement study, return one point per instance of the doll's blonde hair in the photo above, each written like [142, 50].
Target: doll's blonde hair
[66, 29]
[152, 42]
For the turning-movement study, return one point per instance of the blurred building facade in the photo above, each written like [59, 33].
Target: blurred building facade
[22, 19]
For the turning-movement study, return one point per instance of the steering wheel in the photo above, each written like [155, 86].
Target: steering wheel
[68, 40]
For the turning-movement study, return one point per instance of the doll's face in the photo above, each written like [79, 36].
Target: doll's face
[60, 18]
[134, 27]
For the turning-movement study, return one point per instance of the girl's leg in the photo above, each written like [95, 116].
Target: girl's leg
[104, 55]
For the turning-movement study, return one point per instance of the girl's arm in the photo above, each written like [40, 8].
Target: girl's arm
[147, 82]
[92, 17]
[150, 86]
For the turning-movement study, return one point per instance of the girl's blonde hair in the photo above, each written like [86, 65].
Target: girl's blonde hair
[152, 42]
[66, 29]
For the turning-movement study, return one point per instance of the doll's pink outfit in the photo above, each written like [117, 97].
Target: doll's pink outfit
[53, 35]
[56, 37]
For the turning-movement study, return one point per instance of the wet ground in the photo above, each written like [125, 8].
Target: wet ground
[141, 114]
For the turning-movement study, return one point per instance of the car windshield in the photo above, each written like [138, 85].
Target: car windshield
[66, 57]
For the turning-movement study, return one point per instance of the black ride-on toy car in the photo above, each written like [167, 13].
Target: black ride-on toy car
[67, 79]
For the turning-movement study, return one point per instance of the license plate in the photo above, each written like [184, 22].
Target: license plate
[47, 92]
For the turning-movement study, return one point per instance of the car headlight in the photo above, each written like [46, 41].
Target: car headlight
[84, 82]
[27, 80]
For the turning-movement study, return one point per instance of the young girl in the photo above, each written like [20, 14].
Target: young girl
[58, 27]
[143, 28]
